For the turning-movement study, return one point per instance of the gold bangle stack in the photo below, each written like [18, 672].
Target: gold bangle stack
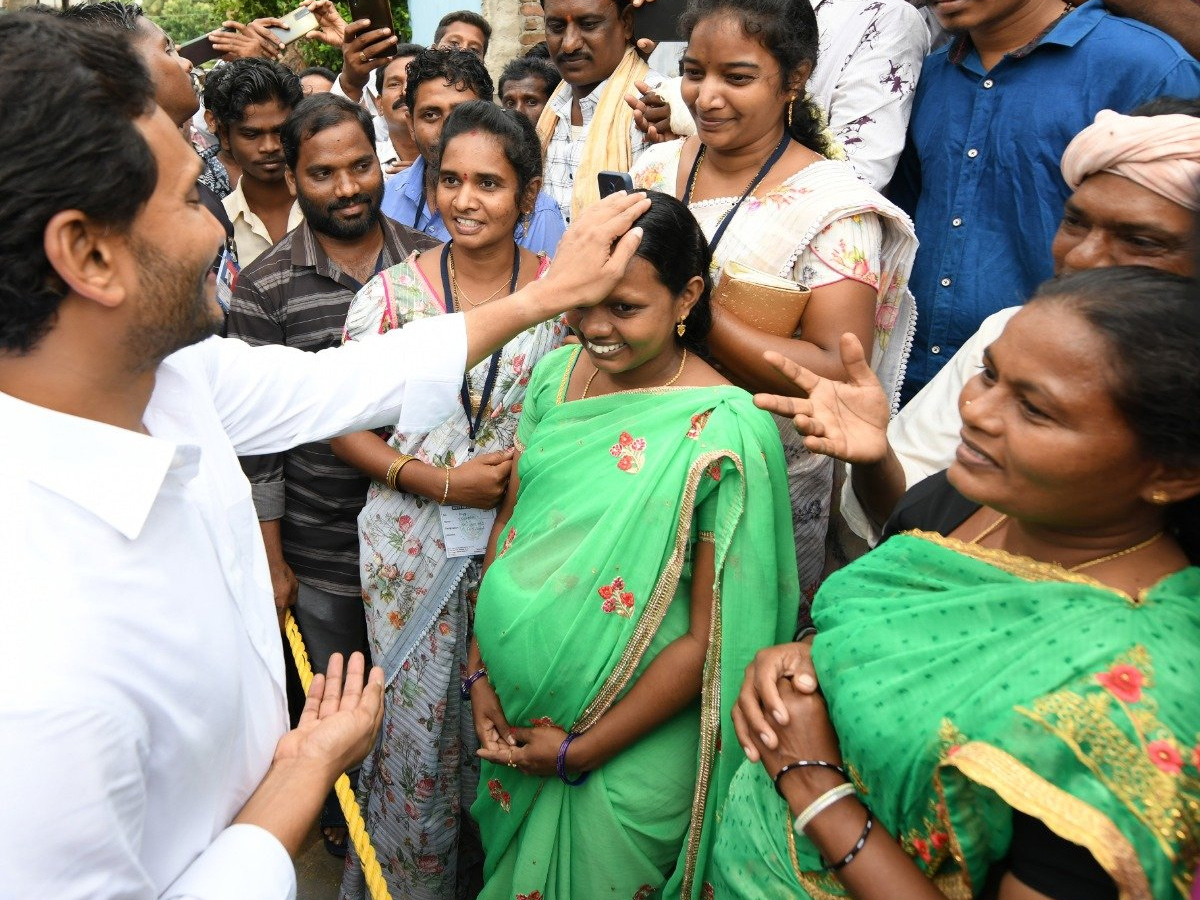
[393, 472]
[446, 491]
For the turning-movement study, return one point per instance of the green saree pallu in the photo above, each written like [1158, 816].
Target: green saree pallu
[592, 579]
[965, 683]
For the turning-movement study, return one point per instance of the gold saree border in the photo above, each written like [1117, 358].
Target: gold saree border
[660, 597]
[1022, 566]
[1066, 815]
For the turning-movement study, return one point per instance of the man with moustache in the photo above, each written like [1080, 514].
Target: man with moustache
[297, 294]
[398, 150]
[250, 103]
[586, 126]
[437, 82]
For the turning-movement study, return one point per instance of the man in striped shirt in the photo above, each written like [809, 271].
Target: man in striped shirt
[297, 294]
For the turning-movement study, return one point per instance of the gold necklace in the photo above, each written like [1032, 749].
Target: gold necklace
[1142, 545]
[459, 294]
[674, 378]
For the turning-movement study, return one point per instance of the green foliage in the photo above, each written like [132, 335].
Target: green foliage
[187, 19]
[184, 19]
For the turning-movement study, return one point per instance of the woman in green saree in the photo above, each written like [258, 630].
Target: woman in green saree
[1009, 680]
[642, 555]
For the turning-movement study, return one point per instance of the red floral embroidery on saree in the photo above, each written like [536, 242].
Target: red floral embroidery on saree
[534, 895]
[508, 541]
[499, 794]
[630, 453]
[1123, 681]
[616, 598]
[699, 420]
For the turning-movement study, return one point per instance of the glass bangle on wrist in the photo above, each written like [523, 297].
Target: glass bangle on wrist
[822, 803]
[855, 850]
[467, 682]
[805, 764]
[561, 766]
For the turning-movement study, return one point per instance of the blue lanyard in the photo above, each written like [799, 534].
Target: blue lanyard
[728, 217]
[489, 383]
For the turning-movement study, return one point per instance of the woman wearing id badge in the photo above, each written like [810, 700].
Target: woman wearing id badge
[770, 187]
[430, 509]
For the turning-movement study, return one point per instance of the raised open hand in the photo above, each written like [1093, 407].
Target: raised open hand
[845, 420]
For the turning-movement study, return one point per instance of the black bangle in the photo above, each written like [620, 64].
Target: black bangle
[481, 672]
[804, 764]
[805, 632]
[855, 850]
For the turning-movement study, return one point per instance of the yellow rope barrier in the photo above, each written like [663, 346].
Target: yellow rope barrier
[355, 826]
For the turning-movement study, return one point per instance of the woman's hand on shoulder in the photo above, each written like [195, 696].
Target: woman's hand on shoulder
[651, 113]
[845, 420]
[760, 708]
[481, 481]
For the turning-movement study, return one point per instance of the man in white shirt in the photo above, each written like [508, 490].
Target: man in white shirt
[250, 104]
[586, 126]
[147, 752]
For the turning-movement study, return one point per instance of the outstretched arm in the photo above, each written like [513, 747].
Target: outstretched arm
[846, 420]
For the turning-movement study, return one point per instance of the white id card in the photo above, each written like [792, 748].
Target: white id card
[466, 530]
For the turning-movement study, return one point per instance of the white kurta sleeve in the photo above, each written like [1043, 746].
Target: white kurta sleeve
[275, 398]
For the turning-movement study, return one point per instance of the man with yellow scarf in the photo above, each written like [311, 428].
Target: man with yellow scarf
[587, 127]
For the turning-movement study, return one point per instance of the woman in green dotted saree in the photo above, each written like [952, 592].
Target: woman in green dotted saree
[1011, 677]
[645, 559]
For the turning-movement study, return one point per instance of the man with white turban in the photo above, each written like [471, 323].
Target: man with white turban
[1136, 183]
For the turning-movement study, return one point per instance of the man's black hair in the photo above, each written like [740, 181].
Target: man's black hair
[109, 13]
[467, 18]
[530, 67]
[328, 74]
[70, 95]
[464, 70]
[316, 113]
[398, 52]
[246, 81]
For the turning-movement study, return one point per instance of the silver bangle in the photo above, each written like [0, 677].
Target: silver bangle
[822, 803]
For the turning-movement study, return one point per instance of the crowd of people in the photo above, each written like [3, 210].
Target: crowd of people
[816, 517]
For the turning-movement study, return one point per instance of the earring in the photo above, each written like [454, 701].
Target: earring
[790, 106]
[968, 402]
[1159, 498]
[680, 329]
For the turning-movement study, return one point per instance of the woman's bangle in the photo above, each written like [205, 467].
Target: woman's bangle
[393, 472]
[855, 850]
[481, 672]
[561, 767]
[446, 490]
[822, 803]
[805, 764]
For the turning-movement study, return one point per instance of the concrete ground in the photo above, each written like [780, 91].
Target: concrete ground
[318, 875]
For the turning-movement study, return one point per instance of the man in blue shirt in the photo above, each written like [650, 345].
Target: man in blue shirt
[438, 81]
[993, 113]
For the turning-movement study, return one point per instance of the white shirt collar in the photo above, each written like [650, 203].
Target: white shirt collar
[113, 473]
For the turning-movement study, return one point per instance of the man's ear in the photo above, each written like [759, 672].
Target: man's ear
[87, 256]
[290, 177]
[625, 19]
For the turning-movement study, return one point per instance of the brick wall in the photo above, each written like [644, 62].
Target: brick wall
[533, 27]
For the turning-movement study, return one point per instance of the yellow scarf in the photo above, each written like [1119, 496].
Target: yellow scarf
[607, 144]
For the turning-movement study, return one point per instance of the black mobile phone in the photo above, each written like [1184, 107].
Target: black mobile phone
[298, 23]
[611, 182]
[199, 50]
[378, 11]
[658, 21]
